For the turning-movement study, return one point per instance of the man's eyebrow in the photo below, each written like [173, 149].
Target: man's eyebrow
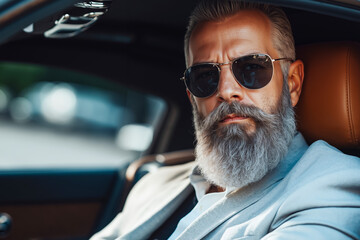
[201, 62]
[250, 52]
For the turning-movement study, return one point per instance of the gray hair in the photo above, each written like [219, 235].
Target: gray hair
[218, 10]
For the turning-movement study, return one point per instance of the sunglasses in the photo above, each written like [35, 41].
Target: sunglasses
[251, 71]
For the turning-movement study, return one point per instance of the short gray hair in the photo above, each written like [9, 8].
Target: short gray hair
[217, 10]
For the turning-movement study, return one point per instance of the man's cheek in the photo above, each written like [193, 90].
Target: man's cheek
[205, 106]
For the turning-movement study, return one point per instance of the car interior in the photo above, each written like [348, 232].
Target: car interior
[123, 60]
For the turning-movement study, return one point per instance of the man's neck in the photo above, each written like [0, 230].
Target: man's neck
[213, 188]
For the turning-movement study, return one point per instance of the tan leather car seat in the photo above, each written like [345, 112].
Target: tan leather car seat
[329, 105]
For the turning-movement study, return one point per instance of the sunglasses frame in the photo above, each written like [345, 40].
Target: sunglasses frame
[218, 65]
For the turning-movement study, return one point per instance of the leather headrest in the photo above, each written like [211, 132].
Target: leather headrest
[329, 105]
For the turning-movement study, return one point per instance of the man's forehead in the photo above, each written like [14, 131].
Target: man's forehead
[246, 32]
[203, 54]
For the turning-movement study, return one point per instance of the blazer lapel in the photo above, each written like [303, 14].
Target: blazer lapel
[157, 208]
[229, 206]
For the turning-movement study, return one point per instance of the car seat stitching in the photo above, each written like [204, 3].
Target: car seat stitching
[348, 95]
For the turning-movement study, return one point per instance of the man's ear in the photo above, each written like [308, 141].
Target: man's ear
[295, 80]
[189, 95]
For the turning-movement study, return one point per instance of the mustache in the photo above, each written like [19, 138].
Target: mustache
[241, 110]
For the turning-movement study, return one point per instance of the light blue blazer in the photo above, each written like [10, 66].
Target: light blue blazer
[314, 193]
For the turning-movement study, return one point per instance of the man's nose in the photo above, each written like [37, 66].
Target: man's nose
[229, 89]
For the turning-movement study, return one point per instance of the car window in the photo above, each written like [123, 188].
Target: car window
[53, 117]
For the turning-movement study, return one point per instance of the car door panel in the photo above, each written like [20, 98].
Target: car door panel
[58, 204]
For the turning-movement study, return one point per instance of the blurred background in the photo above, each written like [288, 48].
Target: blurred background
[52, 117]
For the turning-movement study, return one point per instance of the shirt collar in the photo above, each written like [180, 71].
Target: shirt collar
[201, 185]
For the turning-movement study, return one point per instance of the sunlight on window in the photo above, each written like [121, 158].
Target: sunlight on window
[59, 105]
[135, 137]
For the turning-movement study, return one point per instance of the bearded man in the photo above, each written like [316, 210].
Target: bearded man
[254, 175]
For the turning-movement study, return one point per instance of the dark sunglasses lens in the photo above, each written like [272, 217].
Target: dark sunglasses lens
[253, 71]
[202, 80]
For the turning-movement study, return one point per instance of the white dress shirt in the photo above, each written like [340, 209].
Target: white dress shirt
[205, 201]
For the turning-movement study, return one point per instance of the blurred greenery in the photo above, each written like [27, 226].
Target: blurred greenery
[17, 77]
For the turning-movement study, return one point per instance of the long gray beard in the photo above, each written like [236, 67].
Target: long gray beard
[230, 155]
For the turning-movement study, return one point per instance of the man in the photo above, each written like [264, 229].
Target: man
[255, 177]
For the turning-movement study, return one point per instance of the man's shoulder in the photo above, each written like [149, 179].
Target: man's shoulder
[320, 159]
[324, 169]
[320, 188]
[168, 173]
[164, 178]
[321, 156]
